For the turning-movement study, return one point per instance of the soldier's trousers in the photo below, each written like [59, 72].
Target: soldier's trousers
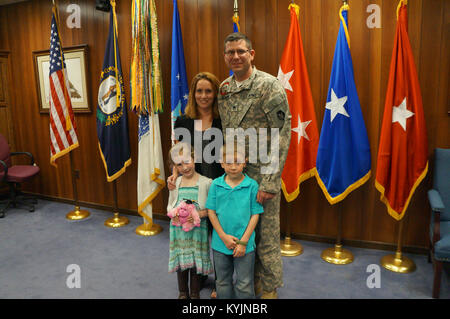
[268, 262]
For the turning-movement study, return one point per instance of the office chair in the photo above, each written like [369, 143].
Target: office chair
[439, 199]
[14, 176]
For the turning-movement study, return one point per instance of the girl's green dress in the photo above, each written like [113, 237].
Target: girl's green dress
[190, 249]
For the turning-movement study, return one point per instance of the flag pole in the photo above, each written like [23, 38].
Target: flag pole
[338, 255]
[148, 229]
[77, 213]
[290, 248]
[116, 221]
[397, 262]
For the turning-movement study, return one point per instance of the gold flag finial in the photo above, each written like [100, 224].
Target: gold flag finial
[236, 9]
[400, 3]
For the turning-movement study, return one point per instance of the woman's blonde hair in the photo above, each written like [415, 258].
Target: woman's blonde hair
[191, 110]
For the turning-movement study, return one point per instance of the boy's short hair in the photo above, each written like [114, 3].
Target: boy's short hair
[179, 152]
[233, 152]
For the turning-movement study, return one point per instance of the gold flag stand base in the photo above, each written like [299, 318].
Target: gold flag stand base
[116, 221]
[77, 214]
[290, 248]
[398, 263]
[148, 229]
[337, 255]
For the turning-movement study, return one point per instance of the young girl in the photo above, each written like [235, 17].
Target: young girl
[189, 252]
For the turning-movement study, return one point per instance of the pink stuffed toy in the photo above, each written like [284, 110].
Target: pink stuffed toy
[183, 211]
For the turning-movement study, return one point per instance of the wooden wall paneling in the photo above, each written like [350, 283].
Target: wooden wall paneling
[283, 25]
[428, 70]
[327, 221]
[272, 55]
[417, 211]
[4, 35]
[6, 123]
[127, 183]
[383, 226]
[205, 23]
[225, 27]
[165, 12]
[207, 30]
[311, 197]
[359, 46]
[91, 185]
[443, 127]
[373, 124]
[415, 19]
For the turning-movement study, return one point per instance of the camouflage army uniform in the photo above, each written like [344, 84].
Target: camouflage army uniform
[261, 102]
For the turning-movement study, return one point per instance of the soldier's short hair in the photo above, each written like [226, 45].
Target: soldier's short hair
[237, 36]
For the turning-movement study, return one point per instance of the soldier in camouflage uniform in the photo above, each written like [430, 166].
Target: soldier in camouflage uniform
[255, 99]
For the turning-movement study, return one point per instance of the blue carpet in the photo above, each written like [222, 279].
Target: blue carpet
[36, 249]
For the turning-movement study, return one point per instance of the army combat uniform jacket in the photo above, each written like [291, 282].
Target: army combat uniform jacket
[261, 102]
[258, 102]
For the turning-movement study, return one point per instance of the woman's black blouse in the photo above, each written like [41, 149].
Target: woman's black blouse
[212, 170]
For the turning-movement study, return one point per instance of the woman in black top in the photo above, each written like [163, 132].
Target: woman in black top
[201, 115]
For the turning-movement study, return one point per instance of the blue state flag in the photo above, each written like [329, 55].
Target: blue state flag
[343, 158]
[112, 122]
[179, 92]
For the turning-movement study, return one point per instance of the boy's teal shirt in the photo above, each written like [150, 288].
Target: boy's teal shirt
[234, 208]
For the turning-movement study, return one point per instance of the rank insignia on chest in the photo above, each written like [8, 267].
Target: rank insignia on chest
[280, 115]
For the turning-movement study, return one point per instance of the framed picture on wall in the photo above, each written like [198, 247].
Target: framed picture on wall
[75, 58]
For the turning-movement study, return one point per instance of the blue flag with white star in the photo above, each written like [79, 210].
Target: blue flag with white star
[179, 91]
[343, 158]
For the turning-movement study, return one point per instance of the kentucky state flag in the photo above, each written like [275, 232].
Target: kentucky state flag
[343, 158]
[112, 122]
[179, 92]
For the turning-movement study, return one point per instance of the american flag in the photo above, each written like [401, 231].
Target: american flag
[63, 134]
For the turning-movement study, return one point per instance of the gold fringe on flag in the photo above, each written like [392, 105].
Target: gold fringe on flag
[145, 73]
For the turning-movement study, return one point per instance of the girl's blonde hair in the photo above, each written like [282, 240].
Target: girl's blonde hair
[191, 110]
[178, 152]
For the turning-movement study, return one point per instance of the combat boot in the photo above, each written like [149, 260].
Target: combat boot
[269, 294]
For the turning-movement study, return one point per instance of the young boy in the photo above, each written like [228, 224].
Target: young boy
[233, 212]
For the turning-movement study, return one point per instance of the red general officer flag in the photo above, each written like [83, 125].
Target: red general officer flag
[402, 153]
[293, 74]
